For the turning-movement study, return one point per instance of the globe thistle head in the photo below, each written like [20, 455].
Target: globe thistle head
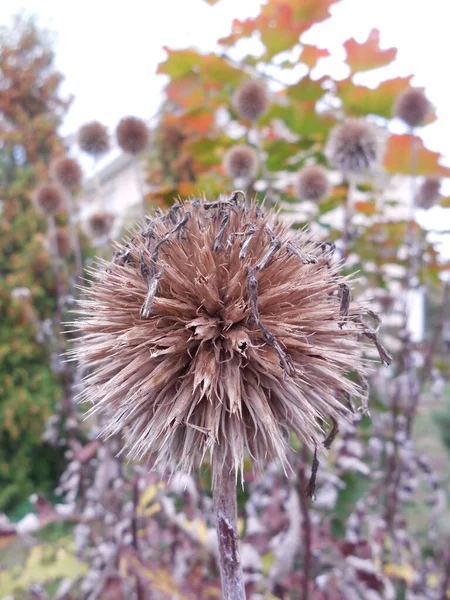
[429, 193]
[250, 100]
[217, 329]
[100, 224]
[132, 135]
[312, 183]
[63, 241]
[93, 138]
[67, 172]
[241, 162]
[49, 197]
[354, 146]
[412, 107]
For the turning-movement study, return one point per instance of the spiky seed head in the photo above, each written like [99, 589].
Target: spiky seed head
[250, 100]
[429, 193]
[63, 241]
[412, 107]
[241, 162]
[132, 135]
[49, 197]
[354, 146]
[100, 224]
[312, 183]
[93, 138]
[217, 329]
[67, 172]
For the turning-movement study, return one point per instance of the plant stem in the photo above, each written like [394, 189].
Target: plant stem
[348, 213]
[140, 185]
[306, 525]
[74, 238]
[225, 509]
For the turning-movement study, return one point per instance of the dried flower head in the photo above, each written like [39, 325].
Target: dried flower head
[100, 224]
[354, 146]
[312, 183]
[49, 197]
[429, 193]
[250, 100]
[132, 135]
[93, 138]
[241, 162]
[67, 172]
[63, 241]
[216, 328]
[412, 107]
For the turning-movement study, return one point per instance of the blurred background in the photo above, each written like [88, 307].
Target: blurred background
[108, 112]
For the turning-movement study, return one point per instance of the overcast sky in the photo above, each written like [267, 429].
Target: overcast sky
[109, 51]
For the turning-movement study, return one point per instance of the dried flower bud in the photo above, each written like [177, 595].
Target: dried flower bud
[250, 100]
[218, 329]
[429, 193]
[67, 172]
[63, 241]
[93, 138]
[100, 224]
[354, 146]
[50, 197]
[132, 135]
[312, 183]
[241, 162]
[412, 107]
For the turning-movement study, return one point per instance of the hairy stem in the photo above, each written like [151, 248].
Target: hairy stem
[225, 509]
[306, 525]
[74, 238]
[348, 213]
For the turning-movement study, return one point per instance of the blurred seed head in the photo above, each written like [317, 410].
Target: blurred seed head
[171, 136]
[412, 107]
[63, 241]
[67, 172]
[182, 167]
[100, 224]
[354, 146]
[429, 193]
[49, 197]
[250, 100]
[132, 135]
[216, 329]
[312, 183]
[241, 162]
[93, 138]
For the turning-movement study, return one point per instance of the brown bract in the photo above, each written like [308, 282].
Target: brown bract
[241, 162]
[67, 172]
[49, 197]
[429, 193]
[93, 138]
[412, 107]
[132, 135]
[354, 146]
[250, 100]
[216, 329]
[312, 183]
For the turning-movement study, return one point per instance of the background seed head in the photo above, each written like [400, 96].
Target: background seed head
[93, 138]
[429, 193]
[67, 172]
[132, 135]
[241, 162]
[100, 224]
[250, 100]
[412, 107]
[354, 146]
[312, 183]
[49, 197]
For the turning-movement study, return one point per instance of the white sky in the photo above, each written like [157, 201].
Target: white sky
[109, 51]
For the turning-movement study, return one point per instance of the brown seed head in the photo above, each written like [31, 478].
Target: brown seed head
[412, 107]
[100, 224]
[132, 135]
[171, 136]
[93, 138]
[312, 183]
[67, 172]
[429, 193]
[63, 241]
[241, 162]
[49, 197]
[217, 329]
[354, 146]
[250, 100]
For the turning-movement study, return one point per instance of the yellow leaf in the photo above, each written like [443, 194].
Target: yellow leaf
[148, 495]
[198, 527]
[267, 562]
[404, 572]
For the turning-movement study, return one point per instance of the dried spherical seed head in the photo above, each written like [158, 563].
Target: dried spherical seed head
[93, 138]
[412, 107]
[49, 197]
[354, 146]
[312, 183]
[429, 193]
[100, 224]
[218, 329]
[241, 162]
[67, 172]
[250, 100]
[132, 135]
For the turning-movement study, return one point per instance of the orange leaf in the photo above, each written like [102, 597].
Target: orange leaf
[311, 55]
[368, 55]
[397, 158]
[368, 208]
